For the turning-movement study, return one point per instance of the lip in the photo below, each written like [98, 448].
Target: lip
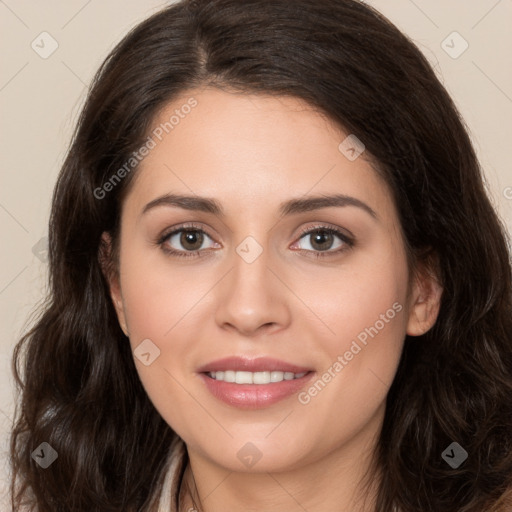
[253, 396]
[259, 364]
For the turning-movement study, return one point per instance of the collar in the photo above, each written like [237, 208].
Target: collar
[175, 467]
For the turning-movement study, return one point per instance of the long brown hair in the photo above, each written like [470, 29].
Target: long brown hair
[80, 391]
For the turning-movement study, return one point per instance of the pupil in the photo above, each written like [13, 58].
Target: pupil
[191, 237]
[322, 235]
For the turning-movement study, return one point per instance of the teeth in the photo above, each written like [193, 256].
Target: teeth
[254, 377]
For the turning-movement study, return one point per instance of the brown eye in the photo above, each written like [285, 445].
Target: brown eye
[186, 241]
[191, 240]
[321, 240]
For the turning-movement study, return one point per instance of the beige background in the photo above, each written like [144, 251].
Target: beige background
[40, 100]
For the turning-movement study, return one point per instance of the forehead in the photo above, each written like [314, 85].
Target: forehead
[246, 149]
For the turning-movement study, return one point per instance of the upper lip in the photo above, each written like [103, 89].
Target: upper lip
[259, 364]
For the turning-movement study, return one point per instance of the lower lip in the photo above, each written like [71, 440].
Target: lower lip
[254, 396]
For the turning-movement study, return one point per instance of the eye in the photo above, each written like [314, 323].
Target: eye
[192, 241]
[324, 239]
[185, 241]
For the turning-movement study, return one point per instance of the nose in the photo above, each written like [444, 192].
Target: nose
[251, 299]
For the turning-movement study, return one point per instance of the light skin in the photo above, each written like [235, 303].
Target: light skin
[250, 153]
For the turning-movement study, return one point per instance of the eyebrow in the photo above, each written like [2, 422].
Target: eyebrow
[289, 207]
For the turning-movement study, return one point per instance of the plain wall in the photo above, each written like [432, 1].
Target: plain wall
[40, 99]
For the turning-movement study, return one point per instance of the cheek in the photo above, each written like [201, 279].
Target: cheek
[162, 303]
[356, 298]
[159, 296]
[362, 331]
[158, 304]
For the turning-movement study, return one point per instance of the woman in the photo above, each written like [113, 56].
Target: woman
[277, 282]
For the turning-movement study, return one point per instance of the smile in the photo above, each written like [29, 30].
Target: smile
[242, 377]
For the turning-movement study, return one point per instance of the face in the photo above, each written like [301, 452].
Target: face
[310, 300]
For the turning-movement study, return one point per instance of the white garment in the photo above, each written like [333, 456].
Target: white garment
[176, 462]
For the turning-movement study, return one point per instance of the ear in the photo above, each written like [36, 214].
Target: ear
[425, 297]
[112, 276]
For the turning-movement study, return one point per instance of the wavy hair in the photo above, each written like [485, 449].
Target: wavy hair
[77, 381]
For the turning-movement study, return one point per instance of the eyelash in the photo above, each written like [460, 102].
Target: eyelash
[191, 227]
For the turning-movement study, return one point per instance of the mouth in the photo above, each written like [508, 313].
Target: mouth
[254, 383]
[257, 378]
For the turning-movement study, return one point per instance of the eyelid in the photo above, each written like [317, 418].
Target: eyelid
[327, 227]
[187, 226]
